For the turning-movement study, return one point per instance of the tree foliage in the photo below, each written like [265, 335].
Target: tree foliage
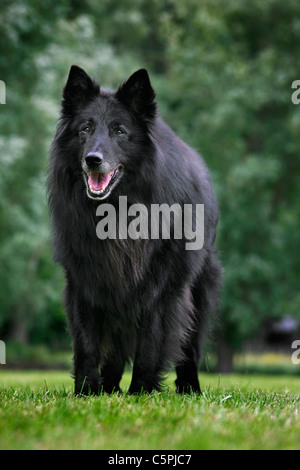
[223, 75]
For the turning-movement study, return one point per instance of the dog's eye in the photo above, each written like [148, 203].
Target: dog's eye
[86, 130]
[119, 131]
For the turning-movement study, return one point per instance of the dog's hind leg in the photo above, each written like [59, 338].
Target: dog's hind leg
[205, 298]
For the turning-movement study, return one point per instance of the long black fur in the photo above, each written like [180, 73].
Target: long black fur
[148, 301]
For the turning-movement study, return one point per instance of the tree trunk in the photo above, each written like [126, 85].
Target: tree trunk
[19, 328]
[225, 356]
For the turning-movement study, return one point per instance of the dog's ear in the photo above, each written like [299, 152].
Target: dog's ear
[78, 89]
[138, 94]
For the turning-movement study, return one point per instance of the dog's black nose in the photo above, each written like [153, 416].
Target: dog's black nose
[94, 159]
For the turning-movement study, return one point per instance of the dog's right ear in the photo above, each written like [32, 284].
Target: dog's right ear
[78, 89]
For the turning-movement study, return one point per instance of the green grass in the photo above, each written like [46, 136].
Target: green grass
[38, 411]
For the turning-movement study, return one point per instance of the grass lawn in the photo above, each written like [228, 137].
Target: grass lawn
[38, 411]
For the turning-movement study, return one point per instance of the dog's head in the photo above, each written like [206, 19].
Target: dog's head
[110, 129]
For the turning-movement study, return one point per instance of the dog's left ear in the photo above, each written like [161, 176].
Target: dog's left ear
[138, 94]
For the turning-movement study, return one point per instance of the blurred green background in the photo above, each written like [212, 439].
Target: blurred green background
[223, 73]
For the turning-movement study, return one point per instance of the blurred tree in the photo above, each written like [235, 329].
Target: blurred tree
[26, 270]
[223, 74]
[233, 66]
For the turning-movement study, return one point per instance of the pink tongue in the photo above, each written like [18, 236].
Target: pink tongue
[98, 181]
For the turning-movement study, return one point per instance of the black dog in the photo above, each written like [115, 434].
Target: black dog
[143, 299]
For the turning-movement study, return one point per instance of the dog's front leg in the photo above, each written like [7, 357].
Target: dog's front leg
[149, 361]
[86, 364]
[85, 348]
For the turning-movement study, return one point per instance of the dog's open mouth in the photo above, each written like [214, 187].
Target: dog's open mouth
[100, 185]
